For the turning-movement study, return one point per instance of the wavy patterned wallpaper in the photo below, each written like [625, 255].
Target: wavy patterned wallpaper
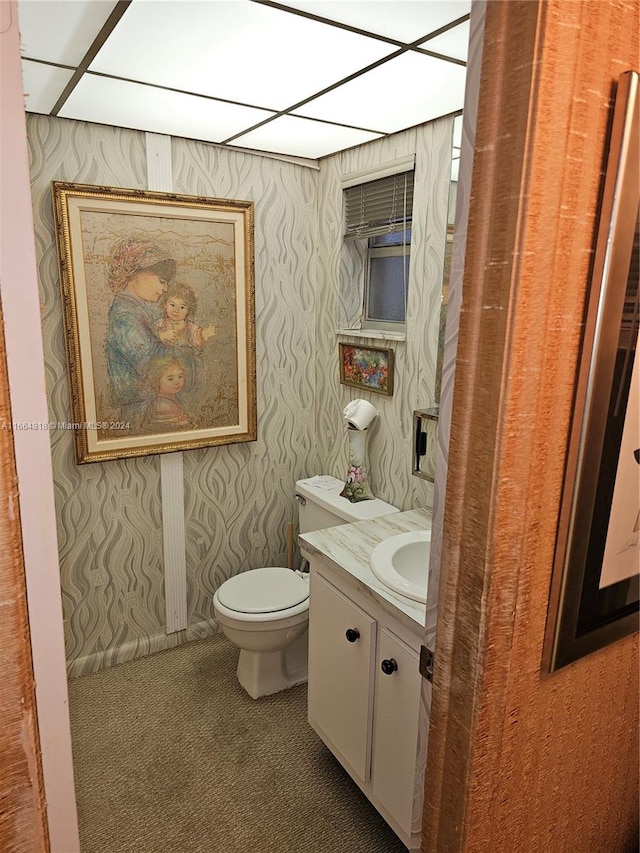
[238, 498]
[340, 302]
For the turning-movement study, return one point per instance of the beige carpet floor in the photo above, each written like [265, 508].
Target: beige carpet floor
[172, 756]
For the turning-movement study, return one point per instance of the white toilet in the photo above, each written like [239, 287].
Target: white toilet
[265, 612]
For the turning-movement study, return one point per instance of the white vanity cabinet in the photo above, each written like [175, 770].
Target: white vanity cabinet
[396, 706]
[364, 695]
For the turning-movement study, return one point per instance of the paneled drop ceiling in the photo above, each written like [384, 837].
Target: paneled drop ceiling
[304, 79]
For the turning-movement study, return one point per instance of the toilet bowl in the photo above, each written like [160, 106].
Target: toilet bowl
[265, 611]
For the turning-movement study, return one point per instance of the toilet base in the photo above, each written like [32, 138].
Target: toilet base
[264, 673]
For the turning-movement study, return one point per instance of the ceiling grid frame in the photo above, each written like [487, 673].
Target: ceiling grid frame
[337, 111]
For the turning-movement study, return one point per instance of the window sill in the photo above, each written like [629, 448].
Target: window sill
[371, 334]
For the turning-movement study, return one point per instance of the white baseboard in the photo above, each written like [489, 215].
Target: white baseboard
[139, 648]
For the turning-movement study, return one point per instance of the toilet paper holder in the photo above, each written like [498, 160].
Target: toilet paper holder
[425, 428]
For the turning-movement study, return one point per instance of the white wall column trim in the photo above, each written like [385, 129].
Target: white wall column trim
[160, 178]
[173, 537]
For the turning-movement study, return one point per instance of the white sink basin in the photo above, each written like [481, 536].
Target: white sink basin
[402, 563]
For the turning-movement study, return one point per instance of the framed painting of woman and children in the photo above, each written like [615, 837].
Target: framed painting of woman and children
[159, 307]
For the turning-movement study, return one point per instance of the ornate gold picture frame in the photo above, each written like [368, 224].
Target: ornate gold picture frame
[158, 299]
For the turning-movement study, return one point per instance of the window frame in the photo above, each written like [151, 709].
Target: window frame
[373, 209]
[399, 250]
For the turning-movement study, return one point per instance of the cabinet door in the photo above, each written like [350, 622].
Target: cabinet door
[340, 674]
[395, 727]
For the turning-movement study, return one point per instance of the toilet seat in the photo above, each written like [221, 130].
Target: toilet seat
[268, 593]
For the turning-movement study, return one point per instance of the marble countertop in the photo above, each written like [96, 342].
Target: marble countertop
[349, 547]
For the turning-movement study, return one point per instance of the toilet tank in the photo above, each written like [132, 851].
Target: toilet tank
[320, 505]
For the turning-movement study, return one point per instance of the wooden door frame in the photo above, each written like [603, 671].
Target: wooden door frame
[547, 75]
[30, 562]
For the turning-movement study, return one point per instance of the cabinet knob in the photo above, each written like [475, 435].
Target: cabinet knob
[352, 634]
[389, 666]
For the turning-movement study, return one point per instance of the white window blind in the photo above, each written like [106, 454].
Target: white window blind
[379, 207]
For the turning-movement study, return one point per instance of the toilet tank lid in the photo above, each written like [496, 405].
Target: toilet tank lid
[325, 491]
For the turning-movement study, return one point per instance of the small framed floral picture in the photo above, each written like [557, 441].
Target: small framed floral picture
[369, 368]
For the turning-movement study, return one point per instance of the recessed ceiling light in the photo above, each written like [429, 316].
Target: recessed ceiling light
[238, 51]
[406, 91]
[60, 31]
[454, 42]
[405, 20]
[116, 102]
[43, 85]
[303, 137]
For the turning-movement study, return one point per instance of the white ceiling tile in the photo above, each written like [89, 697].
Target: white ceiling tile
[236, 50]
[233, 49]
[405, 20]
[122, 104]
[455, 42]
[403, 92]
[43, 85]
[302, 137]
[61, 30]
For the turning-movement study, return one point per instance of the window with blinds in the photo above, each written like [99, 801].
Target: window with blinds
[379, 207]
[380, 212]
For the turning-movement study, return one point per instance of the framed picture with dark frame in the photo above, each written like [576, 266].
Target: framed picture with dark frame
[158, 304]
[595, 589]
[368, 368]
